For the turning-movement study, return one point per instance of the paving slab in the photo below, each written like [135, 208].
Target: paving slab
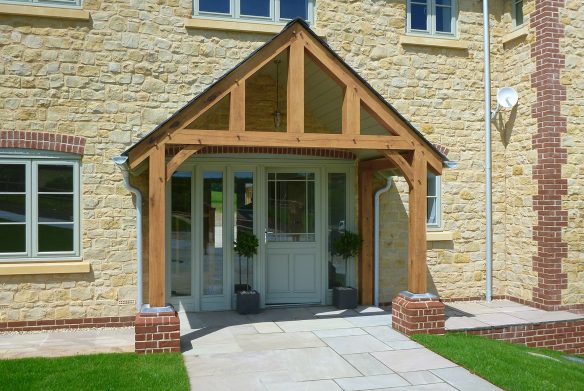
[367, 364]
[412, 360]
[424, 387]
[402, 345]
[314, 324]
[421, 377]
[276, 341]
[463, 380]
[385, 333]
[267, 327]
[370, 320]
[315, 364]
[371, 382]
[316, 385]
[356, 344]
[339, 332]
[463, 323]
[499, 319]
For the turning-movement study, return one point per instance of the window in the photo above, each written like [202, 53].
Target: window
[435, 17]
[271, 11]
[49, 3]
[517, 13]
[434, 207]
[39, 208]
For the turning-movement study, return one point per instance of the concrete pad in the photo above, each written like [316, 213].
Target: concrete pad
[420, 377]
[275, 341]
[370, 320]
[367, 364]
[464, 380]
[385, 333]
[314, 324]
[356, 344]
[339, 332]
[371, 382]
[317, 385]
[315, 364]
[267, 327]
[412, 360]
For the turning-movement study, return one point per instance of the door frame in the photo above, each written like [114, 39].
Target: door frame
[259, 166]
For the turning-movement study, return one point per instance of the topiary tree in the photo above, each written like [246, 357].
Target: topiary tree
[246, 245]
[347, 245]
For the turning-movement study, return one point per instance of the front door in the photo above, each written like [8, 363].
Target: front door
[292, 235]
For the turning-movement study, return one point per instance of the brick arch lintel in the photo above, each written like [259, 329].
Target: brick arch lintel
[44, 141]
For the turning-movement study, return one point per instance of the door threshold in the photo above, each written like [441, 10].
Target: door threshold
[294, 305]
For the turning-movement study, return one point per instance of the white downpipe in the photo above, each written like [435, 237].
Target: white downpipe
[488, 178]
[121, 162]
[378, 194]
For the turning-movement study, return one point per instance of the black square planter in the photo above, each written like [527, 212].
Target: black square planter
[345, 298]
[248, 303]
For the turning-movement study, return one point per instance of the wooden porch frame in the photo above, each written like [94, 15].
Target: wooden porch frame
[401, 138]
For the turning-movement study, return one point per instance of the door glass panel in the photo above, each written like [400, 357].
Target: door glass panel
[180, 235]
[291, 207]
[212, 233]
[337, 212]
[243, 217]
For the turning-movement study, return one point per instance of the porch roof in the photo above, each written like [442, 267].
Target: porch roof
[207, 94]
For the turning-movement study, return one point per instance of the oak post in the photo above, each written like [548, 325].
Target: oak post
[417, 246]
[237, 108]
[366, 231]
[351, 123]
[156, 226]
[295, 109]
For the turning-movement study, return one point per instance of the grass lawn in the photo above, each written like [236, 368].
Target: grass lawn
[116, 371]
[506, 365]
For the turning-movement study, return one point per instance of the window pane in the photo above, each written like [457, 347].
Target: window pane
[219, 6]
[337, 201]
[180, 234]
[518, 13]
[432, 210]
[12, 178]
[12, 238]
[53, 178]
[243, 217]
[290, 9]
[431, 185]
[444, 19]
[418, 14]
[12, 208]
[213, 233]
[444, 2]
[55, 237]
[255, 7]
[55, 208]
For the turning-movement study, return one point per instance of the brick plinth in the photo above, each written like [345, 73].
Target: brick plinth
[413, 315]
[57, 324]
[565, 336]
[157, 332]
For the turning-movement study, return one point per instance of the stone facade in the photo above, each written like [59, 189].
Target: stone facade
[114, 78]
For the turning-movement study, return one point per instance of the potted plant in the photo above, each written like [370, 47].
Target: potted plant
[347, 246]
[248, 299]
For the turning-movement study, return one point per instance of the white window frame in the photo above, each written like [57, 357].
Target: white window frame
[431, 20]
[514, 13]
[46, 3]
[31, 163]
[235, 13]
[438, 183]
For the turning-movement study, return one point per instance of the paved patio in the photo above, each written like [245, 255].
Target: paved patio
[312, 348]
[466, 315]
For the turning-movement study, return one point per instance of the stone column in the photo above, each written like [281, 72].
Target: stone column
[417, 313]
[157, 330]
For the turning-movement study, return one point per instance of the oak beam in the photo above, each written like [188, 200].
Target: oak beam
[351, 116]
[402, 164]
[295, 89]
[417, 246]
[366, 232]
[303, 140]
[156, 227]
[237, 108]
[377, 164]
[179, 159]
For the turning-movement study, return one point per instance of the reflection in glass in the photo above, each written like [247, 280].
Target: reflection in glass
[291, 207]
[218, 6]
[55, 237]
[180, 234]
[55, 208]
[243, 218]
[337, 211]
[12, 208]
[55, 178]
[12, 178]
[444, 19]
[212, 233]
[255, 8]
[418, 15]
[12, 238]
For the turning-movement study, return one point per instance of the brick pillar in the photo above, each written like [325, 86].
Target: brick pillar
[157, 330]
[417, 314]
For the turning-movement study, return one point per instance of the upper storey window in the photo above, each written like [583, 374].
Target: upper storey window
[270, 11]
[433, 17]
[517, 13]
[49, 3]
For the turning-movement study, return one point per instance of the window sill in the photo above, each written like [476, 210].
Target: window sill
[13, 269]
[44, 12]
[520, 33]
[439, 236]
[229, 25]
[445, 43]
